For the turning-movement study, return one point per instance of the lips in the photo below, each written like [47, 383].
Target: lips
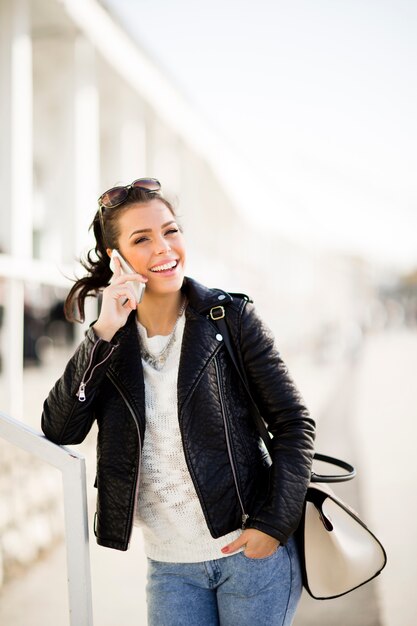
[164, 267]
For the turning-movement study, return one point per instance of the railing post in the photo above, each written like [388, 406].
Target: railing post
[78, 555]
[72, 466]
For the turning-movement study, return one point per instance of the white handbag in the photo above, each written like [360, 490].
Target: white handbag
[338, 551]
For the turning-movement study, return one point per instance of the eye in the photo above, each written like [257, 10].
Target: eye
[141, 239]
[171, 231]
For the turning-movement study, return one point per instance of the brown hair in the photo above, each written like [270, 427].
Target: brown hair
[97, 261]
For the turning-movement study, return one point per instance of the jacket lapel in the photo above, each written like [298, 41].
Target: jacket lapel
[199, 345]
[127, 367]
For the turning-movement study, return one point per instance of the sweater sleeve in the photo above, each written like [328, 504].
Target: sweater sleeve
[288, 421]
[68, 411]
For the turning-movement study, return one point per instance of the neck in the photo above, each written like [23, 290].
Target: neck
[158, 313]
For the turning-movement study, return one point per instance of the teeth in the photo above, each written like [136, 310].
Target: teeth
[161, 268]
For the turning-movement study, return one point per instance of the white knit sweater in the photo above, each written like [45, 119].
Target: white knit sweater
[168, 508]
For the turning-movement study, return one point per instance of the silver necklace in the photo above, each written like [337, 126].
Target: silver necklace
[157, 361]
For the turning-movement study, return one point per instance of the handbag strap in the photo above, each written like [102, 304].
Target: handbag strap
[333, 478]
[218, 315]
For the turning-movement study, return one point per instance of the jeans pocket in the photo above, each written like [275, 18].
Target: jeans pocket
[262, 559]
[252, 576]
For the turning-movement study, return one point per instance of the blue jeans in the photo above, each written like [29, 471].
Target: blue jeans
[232, 591]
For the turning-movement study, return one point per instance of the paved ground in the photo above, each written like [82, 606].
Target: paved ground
[370, 416]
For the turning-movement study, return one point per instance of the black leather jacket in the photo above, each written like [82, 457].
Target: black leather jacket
[224, 454]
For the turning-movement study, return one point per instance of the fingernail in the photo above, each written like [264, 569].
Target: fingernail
[225, 549]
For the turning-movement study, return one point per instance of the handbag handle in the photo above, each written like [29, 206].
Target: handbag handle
[333, 478]
[220, 321]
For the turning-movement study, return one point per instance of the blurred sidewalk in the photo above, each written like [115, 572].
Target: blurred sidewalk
[40, 596]
[356, 408]
[385, 421]
[377, 432]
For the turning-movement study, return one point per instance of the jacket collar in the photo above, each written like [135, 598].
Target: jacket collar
[202, 298]
[200, 343]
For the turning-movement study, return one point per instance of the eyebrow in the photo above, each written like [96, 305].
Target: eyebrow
[149, 230]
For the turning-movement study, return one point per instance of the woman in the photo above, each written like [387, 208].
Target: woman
[177, 451]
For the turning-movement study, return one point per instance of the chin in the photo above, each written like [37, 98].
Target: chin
[168, 285]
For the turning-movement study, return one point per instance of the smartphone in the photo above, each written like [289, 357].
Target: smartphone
[126, 268]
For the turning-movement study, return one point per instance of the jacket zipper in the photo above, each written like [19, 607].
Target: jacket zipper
[81, 389]
[245, 516]
[132, 412]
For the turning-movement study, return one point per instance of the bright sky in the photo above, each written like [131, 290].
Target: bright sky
[318, 97]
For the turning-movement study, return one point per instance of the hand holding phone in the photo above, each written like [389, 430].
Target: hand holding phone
[126, 268]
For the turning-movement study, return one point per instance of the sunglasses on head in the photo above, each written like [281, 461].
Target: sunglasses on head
[117, 195]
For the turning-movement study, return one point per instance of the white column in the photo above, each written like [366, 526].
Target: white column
[21, 127]
[86, 148]
[5, 122]
[133, 148]
[86, 140]
[21, 163]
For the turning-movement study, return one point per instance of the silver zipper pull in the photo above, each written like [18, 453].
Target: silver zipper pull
[81, 392]
[245, 517]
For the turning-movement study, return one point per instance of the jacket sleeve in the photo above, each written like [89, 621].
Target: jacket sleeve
[68, 411]
[287, 419]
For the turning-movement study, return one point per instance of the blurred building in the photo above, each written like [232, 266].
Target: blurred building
[82, 109]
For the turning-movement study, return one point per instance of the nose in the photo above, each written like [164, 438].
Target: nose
[162, 245]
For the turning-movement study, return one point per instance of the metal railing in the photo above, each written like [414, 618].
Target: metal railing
[72, 466]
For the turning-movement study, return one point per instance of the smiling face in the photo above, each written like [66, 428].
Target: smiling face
[151, 241]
